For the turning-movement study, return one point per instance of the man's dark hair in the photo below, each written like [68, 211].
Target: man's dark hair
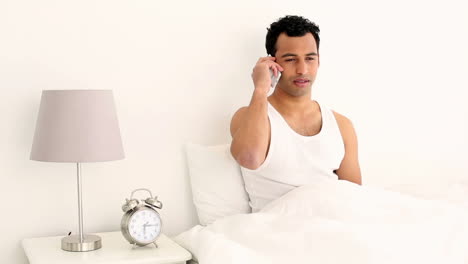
[293, 26]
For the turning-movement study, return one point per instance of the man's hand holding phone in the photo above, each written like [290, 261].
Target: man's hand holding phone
[264, 72]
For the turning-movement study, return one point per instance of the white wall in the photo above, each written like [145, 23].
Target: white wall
[180, 69]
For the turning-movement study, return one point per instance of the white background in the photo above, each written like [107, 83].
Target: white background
[398, 69]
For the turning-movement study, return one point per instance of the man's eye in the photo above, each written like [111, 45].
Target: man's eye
[310, 58]
[289, 60]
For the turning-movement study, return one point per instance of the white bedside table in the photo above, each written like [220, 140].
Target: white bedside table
[115, 249]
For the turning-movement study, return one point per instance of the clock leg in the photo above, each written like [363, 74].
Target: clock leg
[156, 245]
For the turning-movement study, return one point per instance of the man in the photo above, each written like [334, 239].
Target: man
[287, 139]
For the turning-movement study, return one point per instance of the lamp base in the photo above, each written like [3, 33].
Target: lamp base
[72, 243]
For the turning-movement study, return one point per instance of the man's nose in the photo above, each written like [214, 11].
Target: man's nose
[301, 68]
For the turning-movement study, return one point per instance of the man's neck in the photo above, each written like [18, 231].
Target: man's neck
[291, 105]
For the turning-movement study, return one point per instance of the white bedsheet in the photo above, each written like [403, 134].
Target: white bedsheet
[337, 222]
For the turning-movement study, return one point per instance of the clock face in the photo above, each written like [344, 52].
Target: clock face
[144, 226]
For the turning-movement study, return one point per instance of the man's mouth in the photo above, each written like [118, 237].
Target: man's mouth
[301, 82]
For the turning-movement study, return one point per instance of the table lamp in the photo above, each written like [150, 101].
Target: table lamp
[77, 126]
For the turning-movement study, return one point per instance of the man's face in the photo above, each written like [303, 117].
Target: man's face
[300, 60]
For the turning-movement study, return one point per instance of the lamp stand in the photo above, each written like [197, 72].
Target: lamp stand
[80, 242]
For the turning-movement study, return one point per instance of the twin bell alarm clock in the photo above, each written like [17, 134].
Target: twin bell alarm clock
[141, 224]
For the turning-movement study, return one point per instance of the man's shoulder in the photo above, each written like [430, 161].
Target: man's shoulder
[341, 119]
[241, 111]
[345, 125]
[239, 114]
[237, 119]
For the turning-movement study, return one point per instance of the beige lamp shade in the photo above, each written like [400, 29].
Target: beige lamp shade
[77, 126]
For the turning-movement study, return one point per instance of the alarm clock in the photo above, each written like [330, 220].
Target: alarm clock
[141, 223]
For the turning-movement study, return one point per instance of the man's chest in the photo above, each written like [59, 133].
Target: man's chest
[305, 126]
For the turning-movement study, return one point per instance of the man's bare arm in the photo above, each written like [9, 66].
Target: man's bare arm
[349, 169]
[250, 128]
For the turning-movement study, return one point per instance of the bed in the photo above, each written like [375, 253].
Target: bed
[330, 221]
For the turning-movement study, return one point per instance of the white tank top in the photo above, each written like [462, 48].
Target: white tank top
[294, 160]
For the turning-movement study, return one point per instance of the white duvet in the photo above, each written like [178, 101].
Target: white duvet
[336, 222]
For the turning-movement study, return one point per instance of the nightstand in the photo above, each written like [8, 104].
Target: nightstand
[115, 249]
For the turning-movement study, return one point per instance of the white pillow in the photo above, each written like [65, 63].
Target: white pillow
[217, 183]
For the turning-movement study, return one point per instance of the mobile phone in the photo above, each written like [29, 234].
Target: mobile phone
[274, 79]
